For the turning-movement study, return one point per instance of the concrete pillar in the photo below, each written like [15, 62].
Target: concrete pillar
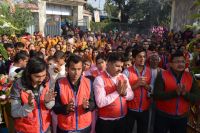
[172, 14]
[42, 15]
[88, 24]
[78, 16]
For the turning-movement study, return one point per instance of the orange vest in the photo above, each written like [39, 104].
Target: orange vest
[116, 109]
[140, 102]
[78, 119]
[175, 106]
[38, 121]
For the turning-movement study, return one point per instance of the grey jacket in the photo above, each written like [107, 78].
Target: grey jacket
[19, 110]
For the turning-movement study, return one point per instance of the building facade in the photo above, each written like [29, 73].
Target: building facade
[51, 15]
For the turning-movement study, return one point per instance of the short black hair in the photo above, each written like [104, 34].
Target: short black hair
[21, 55]
[125, 58]
[32, 53]
[114, 57]
[73, 58]
[95, 49]
[50, 58]
[67, 54]
[40, 55]
[178, 53]
[19, 45]
[161, 47]
[152, 48]
[59, 54]
[128, 49]
[8, 45]
[101, 56]
[4, 35]
[137, 50]
[37, 54]
[120, 47]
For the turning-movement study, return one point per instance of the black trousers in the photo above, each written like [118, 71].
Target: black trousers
[164, 123]
[142, 119]
[152, 111]
[85, 130]
[111, 126]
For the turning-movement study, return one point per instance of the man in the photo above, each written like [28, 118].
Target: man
[100, 66]
[56, 70]
[5, 38]
[154, 60]
[92, 73]
[75, 99]
[111, 90]
[139, 76]
[174, 90]
[31, 99]
[163, 57]
[11, 53]
[20, 61]
[19, 46]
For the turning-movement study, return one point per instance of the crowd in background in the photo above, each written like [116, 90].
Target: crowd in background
[95, 50]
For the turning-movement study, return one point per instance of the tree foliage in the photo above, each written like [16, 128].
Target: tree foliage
[14, 22]
[90, 8]
[148, 12]
[196, 16]
[111, 9]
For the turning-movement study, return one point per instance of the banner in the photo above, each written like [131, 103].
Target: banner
[96, 16]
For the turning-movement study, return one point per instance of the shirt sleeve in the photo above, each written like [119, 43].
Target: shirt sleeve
[194, 95]
[61, 73]
[126, 73]
[50, 104]
[101, 98]
[17, 109]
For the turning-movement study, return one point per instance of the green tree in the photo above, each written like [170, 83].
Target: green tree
[90, 8]
[152, 12]
[115, 7]
[14, 22]
[195, 16]
[149, 12]
[111, 9]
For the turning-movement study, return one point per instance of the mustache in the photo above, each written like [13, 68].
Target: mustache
[119, 71]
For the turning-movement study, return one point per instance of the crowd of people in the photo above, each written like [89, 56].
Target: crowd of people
[98, 82]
